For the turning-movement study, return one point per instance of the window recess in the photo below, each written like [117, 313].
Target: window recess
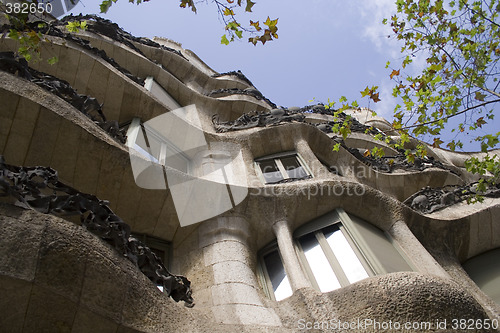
[155, 147]
[272, 275]
[160, 93]
[281, 168]
[335, 250]
[484, 270]
[338, 249]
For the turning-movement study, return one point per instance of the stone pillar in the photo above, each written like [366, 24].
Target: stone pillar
[235, 299]
[291, 262]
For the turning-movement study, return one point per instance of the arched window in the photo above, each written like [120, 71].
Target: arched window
[335, 250]
[484, 270]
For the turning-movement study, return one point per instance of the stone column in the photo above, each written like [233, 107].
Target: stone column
[291, 262]
[235, 299]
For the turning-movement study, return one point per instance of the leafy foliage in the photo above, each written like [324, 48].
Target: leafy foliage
[30, 40]
[228, 12]
[27, 34]
[461, 44]
[458, 88]
[76, 26]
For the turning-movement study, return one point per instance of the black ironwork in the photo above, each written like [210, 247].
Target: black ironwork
[107, 28]
[399, 161]
[285, 115]
[235, 91]
[429, 200]
[89, 106]
[256, 119]
[238, 74]
[38, 188]
[52, 29]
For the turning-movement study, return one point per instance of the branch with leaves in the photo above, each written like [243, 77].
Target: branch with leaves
[30, 29]
[460, 42]
[229, 11]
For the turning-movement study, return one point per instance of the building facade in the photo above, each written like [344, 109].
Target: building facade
[275, 230]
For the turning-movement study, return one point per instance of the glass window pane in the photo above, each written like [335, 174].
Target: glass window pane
[277, 275]
[145, 153]
[322, 271]
[293, 167]
[148, 145]
[381, 248]
[154, 145]
[484, 270]
[345, 255]
[270, 171]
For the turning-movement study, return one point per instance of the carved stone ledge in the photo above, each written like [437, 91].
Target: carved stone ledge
[89, 106]
[38, 188]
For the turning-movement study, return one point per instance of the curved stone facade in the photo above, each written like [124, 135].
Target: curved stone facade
[58, 277]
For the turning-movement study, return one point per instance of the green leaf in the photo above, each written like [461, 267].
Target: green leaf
[249, 6]
[224, 40]
[271, 23]
[255, 25]
[14, 34]
[365, 92]
[104, 6]
[228, 12]
[479, 96]
[52, 60]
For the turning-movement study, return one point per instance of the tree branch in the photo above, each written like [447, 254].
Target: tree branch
[451, 115]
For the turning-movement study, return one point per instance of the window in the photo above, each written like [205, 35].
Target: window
[335, 250]
[330, 259]
[338, 249]
[160, 93]
[282, 167]
[155, 147]
[273, 275]
[484, 270]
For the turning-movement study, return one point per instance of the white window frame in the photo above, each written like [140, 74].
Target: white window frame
[316, 228]
[263, 274]
[159, 92]
[355, 236]
[137, 125]
[277, 159]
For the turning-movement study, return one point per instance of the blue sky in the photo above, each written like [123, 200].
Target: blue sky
[326, 48]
